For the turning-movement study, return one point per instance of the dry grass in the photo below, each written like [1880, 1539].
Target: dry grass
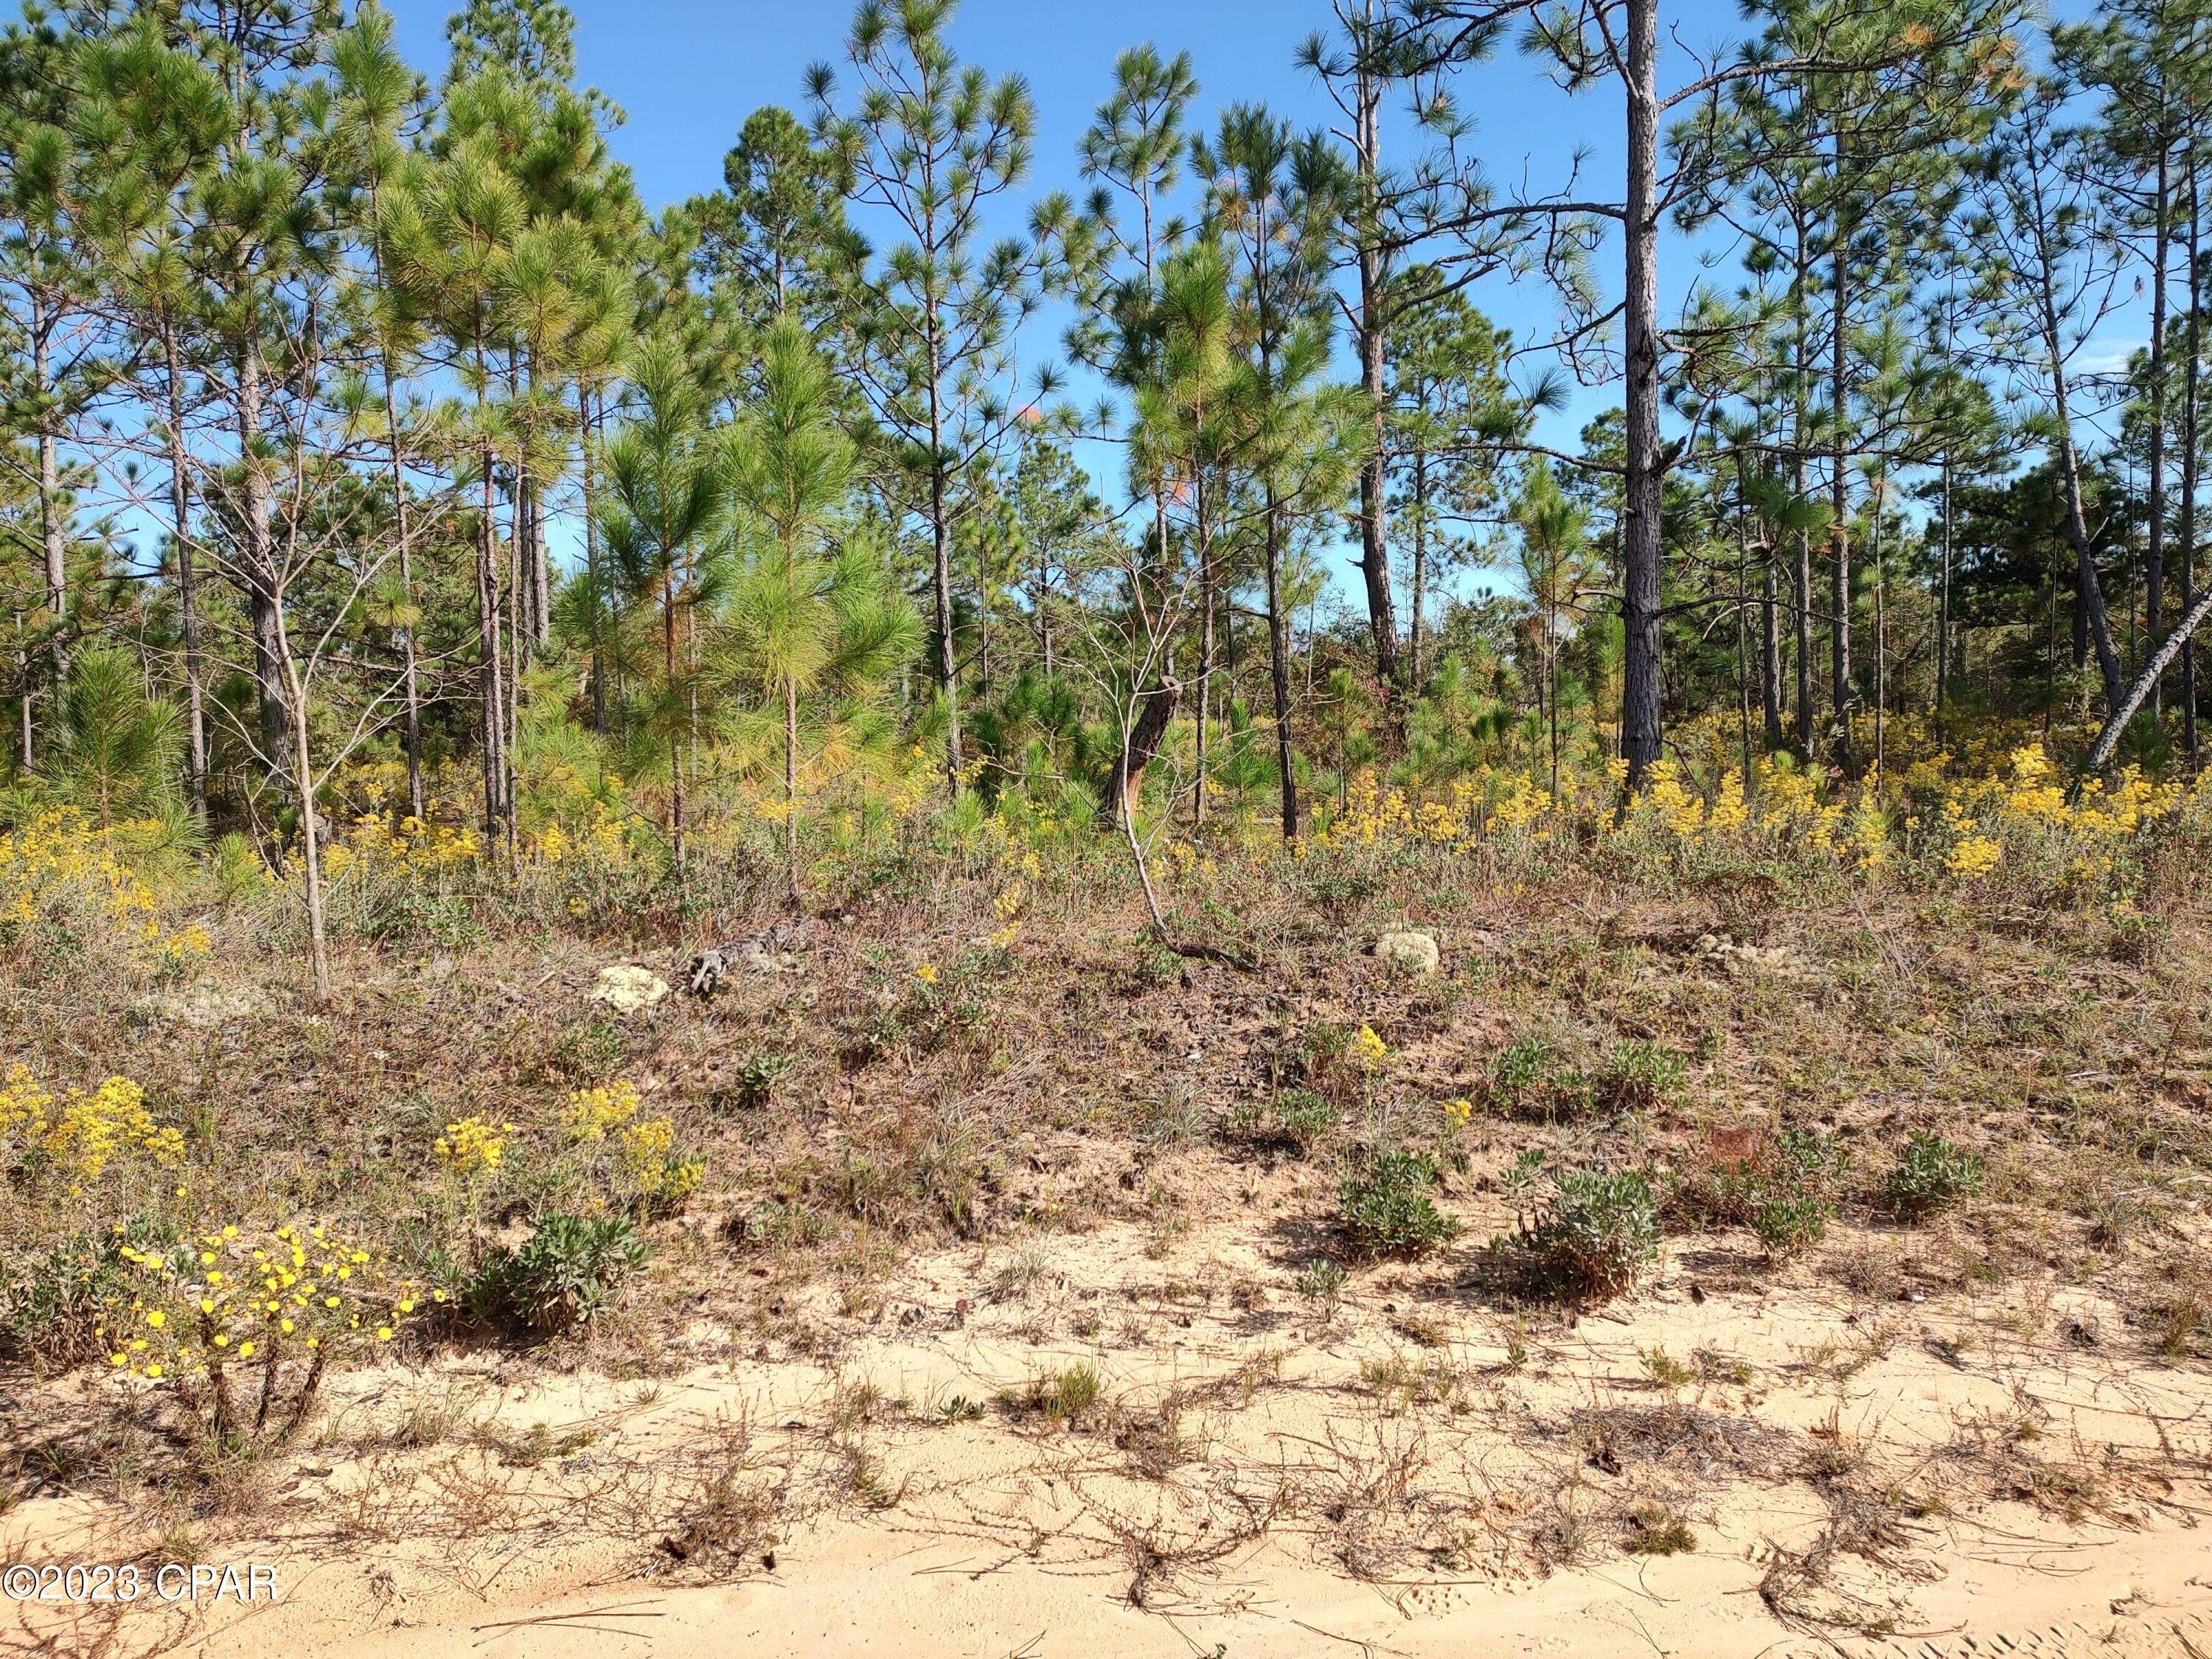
[856, 1122]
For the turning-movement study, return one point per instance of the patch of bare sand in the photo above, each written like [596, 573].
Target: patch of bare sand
[1106, 1445]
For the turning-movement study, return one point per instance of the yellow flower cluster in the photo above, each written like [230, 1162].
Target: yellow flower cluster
[471, 1144]
[1680, 809]
[1186, 857]
[1368, 1051]
[60, 856]
[78, 1137]
[377, 842]
[1371, 815]
[655, 1168]
[646, 1147]
[1974, 856]
[593, 1112]
[2029, 810]
[1965, 829]
[1521, 806]
[229, 1296]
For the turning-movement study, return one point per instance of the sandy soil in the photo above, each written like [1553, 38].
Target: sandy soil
[1404, 1470]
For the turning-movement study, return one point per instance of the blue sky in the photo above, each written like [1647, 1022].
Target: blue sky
[687, 72]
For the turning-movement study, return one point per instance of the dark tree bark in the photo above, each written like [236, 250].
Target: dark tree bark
[1278, 671]
[195, 749]
[1641, 550]
[1373, 328]
[2190, 388]
[1128, 775]
[1770, 655]
[2155, 558]
[1839, 533]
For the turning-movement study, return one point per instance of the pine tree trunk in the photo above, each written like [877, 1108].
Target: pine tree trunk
[1839, 575]
[2189, 388]
[195, 749]
[675, 749]
[262, 599]
[488, 658]
[295, 699]
[1124, 788]
[791, 789]
[1770, 654]
[940, 541]
[2089, 596]
[411, 715]
[1279, 670]
[1642, 550]
[54, 536]
[1416, 624]
[588, 437]
[541, 570]
[1801, 575]
[2154, 558]
[1373, 327]
[1943, 612]
[1205, 651]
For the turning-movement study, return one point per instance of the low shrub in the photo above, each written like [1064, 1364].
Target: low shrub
[569, 1273]
[1322, 1280]
[757, 1078]
[1385, 1205]
[1931, 1172]
[1654, 1530]
[1303, 1117]
[1600, 1232]
[241, 1324]
[1640, 1077]
[53, 1303]
[1785, 1191]
[1788, 1226]
[1064, 1396]
[1295, 1120]
[1532, 1078]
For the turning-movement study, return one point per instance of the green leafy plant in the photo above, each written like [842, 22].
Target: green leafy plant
[1322, 1280]
[1519, 1181]
[568, 1273]
[52, 1302]
[1640, 1076]
[1064, 1396]
[1074, 1392]
[591, 1051]
[1785, 1191]
[1931, 1172]
[1533, 1079]
[1385, 1204]
[1654, 1530]
[758, 1076]
[1302, 1117]
[1788, 1226]
[1600, 1232]
[1523, 1066]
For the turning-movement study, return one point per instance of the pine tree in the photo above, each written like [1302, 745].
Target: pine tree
[664, 529]
[934, 142]
[813, 623]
